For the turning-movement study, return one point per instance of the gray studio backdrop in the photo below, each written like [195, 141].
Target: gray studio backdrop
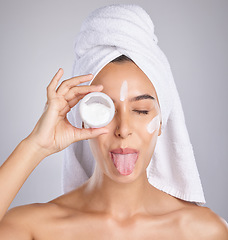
[37, 38]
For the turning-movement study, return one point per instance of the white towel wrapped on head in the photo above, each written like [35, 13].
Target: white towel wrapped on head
[117, 30]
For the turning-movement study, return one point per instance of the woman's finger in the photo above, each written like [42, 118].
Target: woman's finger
[51, 88]
[88, 133]
[82, 90]
[72, 82]
[75, 100]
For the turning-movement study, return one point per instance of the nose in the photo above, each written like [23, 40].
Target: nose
[123, 129]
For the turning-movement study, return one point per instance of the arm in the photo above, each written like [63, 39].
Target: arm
[15, 170]
[51, 134]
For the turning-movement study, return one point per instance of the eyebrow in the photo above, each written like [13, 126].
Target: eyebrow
[142, 97]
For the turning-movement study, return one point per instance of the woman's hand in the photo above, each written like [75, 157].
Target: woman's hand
[53, 132]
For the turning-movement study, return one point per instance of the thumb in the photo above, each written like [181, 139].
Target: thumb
[88, 133]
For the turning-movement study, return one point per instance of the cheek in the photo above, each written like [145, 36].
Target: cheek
[148, 147]
[153, 125]
[149, 136]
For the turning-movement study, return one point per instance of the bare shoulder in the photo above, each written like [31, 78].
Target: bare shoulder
[23, 221]
[17, 222]
[202, 223]
[29, 212]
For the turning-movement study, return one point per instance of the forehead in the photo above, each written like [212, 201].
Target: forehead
[113, 75]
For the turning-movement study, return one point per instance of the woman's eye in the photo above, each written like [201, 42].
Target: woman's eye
[141, 111]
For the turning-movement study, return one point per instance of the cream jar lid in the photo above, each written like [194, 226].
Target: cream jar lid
[96, 110]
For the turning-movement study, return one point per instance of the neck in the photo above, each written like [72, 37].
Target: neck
[121, 200]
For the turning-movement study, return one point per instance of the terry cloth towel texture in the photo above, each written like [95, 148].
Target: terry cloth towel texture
[116, 30]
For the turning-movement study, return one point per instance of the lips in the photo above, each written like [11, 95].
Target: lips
[124, 160]
[124, 151]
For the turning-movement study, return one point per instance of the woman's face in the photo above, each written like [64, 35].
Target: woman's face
[124, 153]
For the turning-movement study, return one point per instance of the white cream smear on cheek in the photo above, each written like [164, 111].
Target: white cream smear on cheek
[154, 124]
[123, 91]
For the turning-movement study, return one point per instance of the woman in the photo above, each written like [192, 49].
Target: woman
[118, 201]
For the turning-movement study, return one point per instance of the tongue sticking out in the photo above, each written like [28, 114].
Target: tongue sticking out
[125, 163]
